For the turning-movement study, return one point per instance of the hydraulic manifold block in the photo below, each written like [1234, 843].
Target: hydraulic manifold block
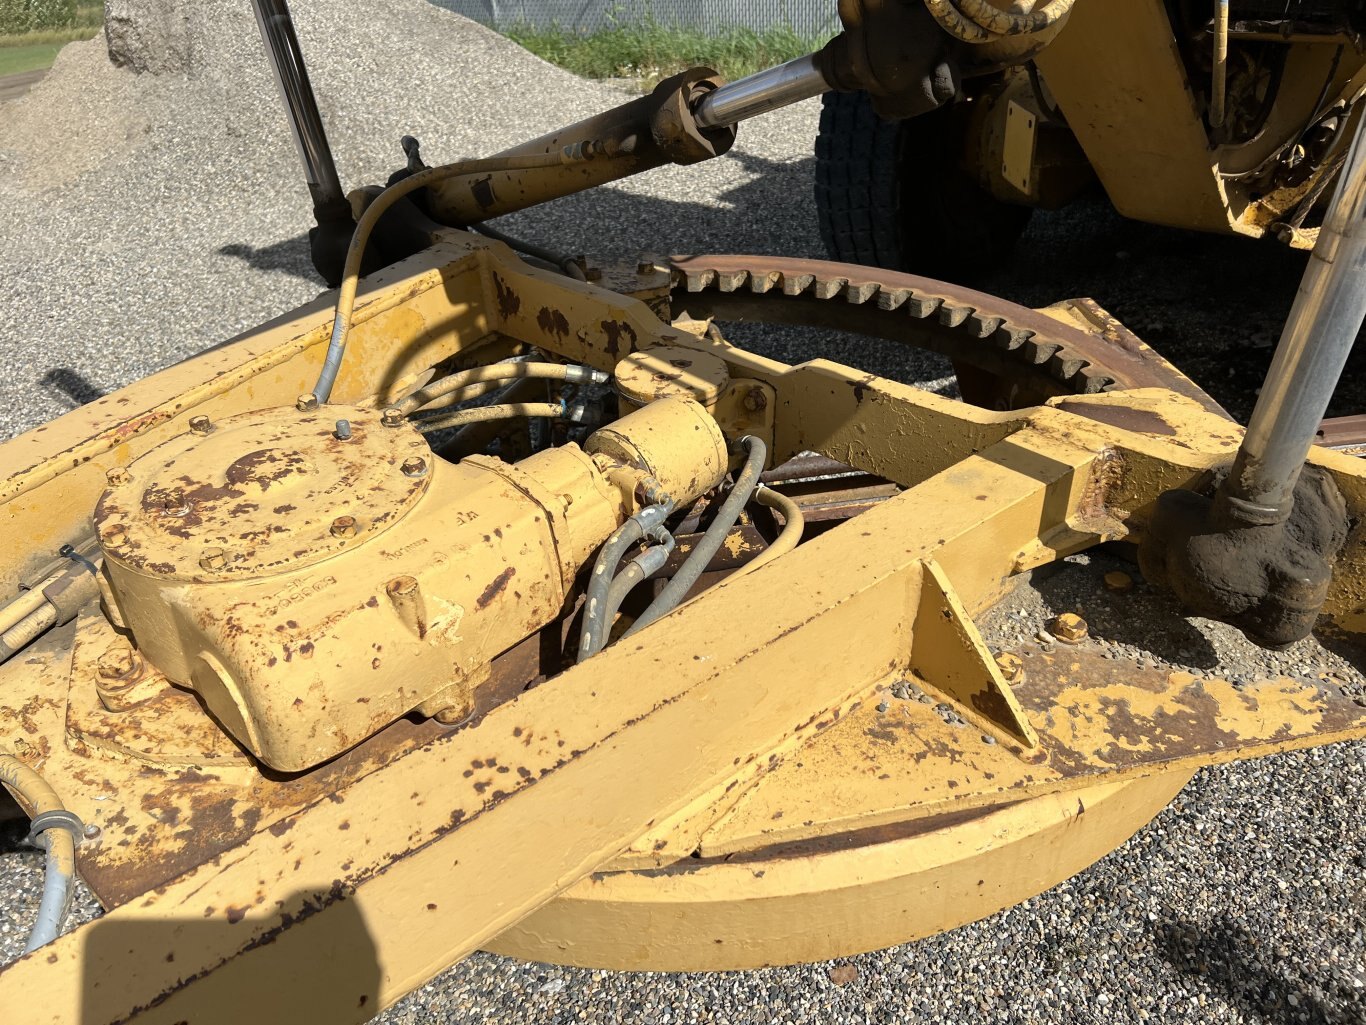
[315, 576]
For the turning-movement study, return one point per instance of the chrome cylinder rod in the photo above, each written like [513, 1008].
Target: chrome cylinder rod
[761, 92]
[1327, 314]
[287, 61]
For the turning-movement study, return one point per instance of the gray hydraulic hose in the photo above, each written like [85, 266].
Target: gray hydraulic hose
[593, 637]
[710, 542]
[56, 830]
[649, 519]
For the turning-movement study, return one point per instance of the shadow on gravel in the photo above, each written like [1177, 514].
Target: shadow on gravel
[72, 385]
[288, 257]
[1230, 958]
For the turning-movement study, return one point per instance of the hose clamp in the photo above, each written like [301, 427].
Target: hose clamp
[58, 818]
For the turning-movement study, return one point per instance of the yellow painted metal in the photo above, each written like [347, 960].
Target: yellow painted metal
[1017, 155]
[250, 562]
[1119, 77]
[422, 844]
[832, 900]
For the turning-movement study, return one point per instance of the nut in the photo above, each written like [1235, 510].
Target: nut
[1011, 666]
[414, 466]
[117, 661]
[213, 558]
[344, 526]
[392, 417]
[200, 425]
[756, 400]
[1069, 627]
[117, 476]
[306, 403]
[401, 587]
[1120, 583]
[91, 831]
[343, 430]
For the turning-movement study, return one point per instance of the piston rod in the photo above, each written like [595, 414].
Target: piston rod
[766, 90]
[306, 124]
[1318, 336]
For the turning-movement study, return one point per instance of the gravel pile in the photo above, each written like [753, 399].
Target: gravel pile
[148, 216]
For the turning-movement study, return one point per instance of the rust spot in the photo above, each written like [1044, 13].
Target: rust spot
[1140, 421]
[552, 322]
[617, 332]
[509, 302]
[495, 586]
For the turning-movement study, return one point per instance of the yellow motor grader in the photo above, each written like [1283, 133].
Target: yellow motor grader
[497, 600]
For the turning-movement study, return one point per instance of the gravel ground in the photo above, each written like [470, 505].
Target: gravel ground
[151, 216]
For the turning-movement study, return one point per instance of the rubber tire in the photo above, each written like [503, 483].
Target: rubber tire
[892, 194]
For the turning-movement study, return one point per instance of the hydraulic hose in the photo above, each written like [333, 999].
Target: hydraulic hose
[710, 542]
[794, 523]
[977, 21]
[454, 384]
[595, 619]
[56, 830]
[560, 260]
[1003, 23]
[346, 294]
[635, 573]
[951, 20]
[23, 606]
[479, 414]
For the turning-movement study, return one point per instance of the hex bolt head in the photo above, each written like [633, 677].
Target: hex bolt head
[414, 466]
[306, 403]
[392, 417]
[1069, 628]
[118, 476]
[213, 558]
[1119, 582]
[342, 432]
[91, 831]
[117, 660]
[756, 400]
[402, 587]
[1011, 666]
[344, 526]
[200, 425]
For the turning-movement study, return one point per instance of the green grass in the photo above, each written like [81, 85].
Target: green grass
[34, 50]
[650, 52]
[17, 59]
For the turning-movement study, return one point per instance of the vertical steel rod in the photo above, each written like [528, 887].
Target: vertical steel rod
[286, 60]
[1318, 336]
[1219, 77]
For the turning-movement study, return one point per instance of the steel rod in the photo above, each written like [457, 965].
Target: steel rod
[761, 92]
[1318, 337]
[1219, 75]
[306, 124]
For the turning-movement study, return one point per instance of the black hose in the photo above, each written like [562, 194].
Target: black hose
[710, 542]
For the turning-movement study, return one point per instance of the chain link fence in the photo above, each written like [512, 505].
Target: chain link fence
[805, 17]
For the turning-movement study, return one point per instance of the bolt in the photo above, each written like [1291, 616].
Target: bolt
[1069, 627]
[213, 558]
[344, 526]
[756, 400]
[1011, 666]
[454, 715]
[1120, 583]
[200, 425]
[401, 587]
[306, 403]
[343, 430]
[118, 475]
[91, 831]
[649, 264]
[115, 538]
[392, 417]
[117, 661]
[414, 466]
